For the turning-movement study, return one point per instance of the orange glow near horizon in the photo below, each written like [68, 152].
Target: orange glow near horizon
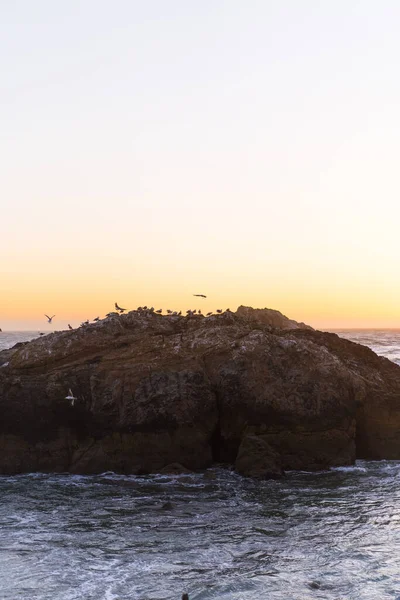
[156, 157]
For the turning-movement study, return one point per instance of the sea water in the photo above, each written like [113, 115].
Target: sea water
[326, 535]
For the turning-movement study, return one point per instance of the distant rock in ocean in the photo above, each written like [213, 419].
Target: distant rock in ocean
[251, 389]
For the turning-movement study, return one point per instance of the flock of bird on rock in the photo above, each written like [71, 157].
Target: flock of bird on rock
[119, 310]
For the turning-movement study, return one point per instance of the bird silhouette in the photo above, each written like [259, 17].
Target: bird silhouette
[200, 295]
[119, 308]
[49, 319]
[70, 326]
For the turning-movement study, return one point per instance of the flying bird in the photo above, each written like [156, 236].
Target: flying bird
[49, 319]
[71, 397]
[200, 295]
[119, 308]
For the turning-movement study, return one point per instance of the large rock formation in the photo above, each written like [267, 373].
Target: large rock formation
[155, 390]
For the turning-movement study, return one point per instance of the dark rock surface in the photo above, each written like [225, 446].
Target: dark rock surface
[257, 459]
[155, 390]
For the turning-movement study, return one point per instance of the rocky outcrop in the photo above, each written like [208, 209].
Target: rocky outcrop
[256, 458]
[269, 316]
[150, 391]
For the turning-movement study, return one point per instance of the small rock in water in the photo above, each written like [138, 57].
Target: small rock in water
[167, 506]
[174, 469]
[314, 585]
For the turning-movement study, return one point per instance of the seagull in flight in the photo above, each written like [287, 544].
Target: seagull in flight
[71, 397]
[49, 319]
[119, 308]
[200, 295]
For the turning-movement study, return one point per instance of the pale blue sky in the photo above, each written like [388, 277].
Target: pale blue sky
[249, 148]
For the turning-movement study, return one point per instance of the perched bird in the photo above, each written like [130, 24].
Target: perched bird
[49, 319]
[199, 312]
[159, 311]
[209, 314]
[96, 319]
[169, 311]
[112, 314]
[41, 333]
[71, 397]
[200, 295]
[228, 310]
[179, 313]
[219, 311]
[175, 313]
[70, 326]
[144, 307]
[119, 308]
[151, 309]
[194, 312]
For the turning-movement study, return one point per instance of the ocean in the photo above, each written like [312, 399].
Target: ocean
[326, 535]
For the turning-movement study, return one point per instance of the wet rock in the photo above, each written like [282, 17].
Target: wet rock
[210, 475]
[174, 469]
[314, 585]
[257, 459]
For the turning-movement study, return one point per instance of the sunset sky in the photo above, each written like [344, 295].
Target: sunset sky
[246, 150]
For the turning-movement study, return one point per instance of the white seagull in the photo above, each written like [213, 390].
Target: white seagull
[71, 397]
[49, 319]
